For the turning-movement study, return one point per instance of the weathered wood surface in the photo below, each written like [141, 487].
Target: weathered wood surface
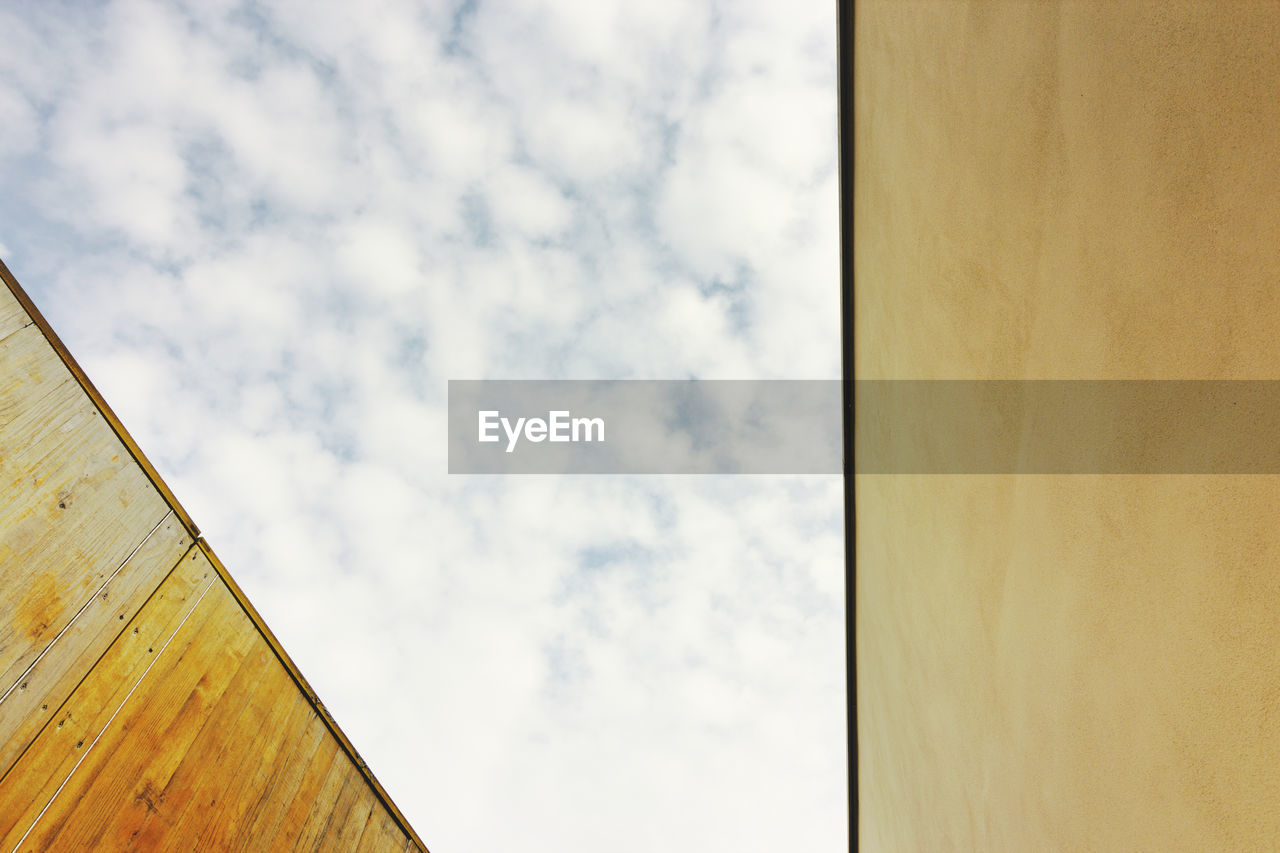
[143, 705]
[189, 733]
[75, 507]
[12, 317]
[41, 690]
[39, 773]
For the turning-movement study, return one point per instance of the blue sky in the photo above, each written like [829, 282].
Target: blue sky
[271, 232]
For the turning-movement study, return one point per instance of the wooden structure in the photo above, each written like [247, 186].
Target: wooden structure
[144, 704]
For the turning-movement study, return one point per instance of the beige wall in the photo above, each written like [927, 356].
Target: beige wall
[1056, 190]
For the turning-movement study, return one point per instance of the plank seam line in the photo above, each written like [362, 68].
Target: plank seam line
[85, 606]
[116, 712]
[89, 670]
[30, 322]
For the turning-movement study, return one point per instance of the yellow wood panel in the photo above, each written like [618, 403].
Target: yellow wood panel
[147, 810]
[40, 691]
[287, 780]
[337, 822]
[314, 828]
[140, 707]
[216, 747]
[309, 789]
[29, 369]
[352, 815]
[147, 738]
[42, 769]
[12, 317]
[202, 799]
[280, 716]
[76, 504]
[382, 833]
[183, 725]
[266, 767]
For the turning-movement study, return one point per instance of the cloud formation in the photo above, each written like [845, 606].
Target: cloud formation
[271, 232]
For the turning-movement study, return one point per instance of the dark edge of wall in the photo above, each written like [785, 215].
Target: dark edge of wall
[844, 172]
[241, 599]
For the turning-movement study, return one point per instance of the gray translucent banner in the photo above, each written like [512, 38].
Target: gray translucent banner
[644, 427]
[1067, 427]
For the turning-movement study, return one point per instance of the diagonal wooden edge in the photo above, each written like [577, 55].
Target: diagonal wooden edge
[306, 689]
[123, 434]
[163, 489]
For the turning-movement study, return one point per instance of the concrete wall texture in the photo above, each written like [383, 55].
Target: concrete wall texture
[1068, 190]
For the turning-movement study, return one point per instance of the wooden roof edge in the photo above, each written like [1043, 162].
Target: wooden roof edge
[310, 693]
[163, 489]
[98, 400]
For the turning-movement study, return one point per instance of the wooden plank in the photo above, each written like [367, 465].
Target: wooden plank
[317, 773]
[330, 814]
[35, 777]
[97, 788]
[142, 787]
[343, 741]
[258, 760]
[351, 814]
[76, 506]
[290, 779]
[81, 500]
[147, 807]
[383, 833]
[101, 404]
[269, 773]
[67, 659]
[29, 370]
[312, 830]
[12, 315]
[207, 796]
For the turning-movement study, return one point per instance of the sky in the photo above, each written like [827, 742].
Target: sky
[272, 232]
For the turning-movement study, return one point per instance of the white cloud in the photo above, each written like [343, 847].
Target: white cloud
[19, 121]
[379, 258]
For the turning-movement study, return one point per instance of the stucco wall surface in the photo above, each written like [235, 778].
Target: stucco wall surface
[1068, 190]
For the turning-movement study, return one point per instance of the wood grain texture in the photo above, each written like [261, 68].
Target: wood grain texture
[287, 780]
[12, 317]
[321, 812]
[143, 703]
[381, 833]
[37, 775]
[105, 783]
[41, 690]
[214, 749]
[323, 760]
[77, 506]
